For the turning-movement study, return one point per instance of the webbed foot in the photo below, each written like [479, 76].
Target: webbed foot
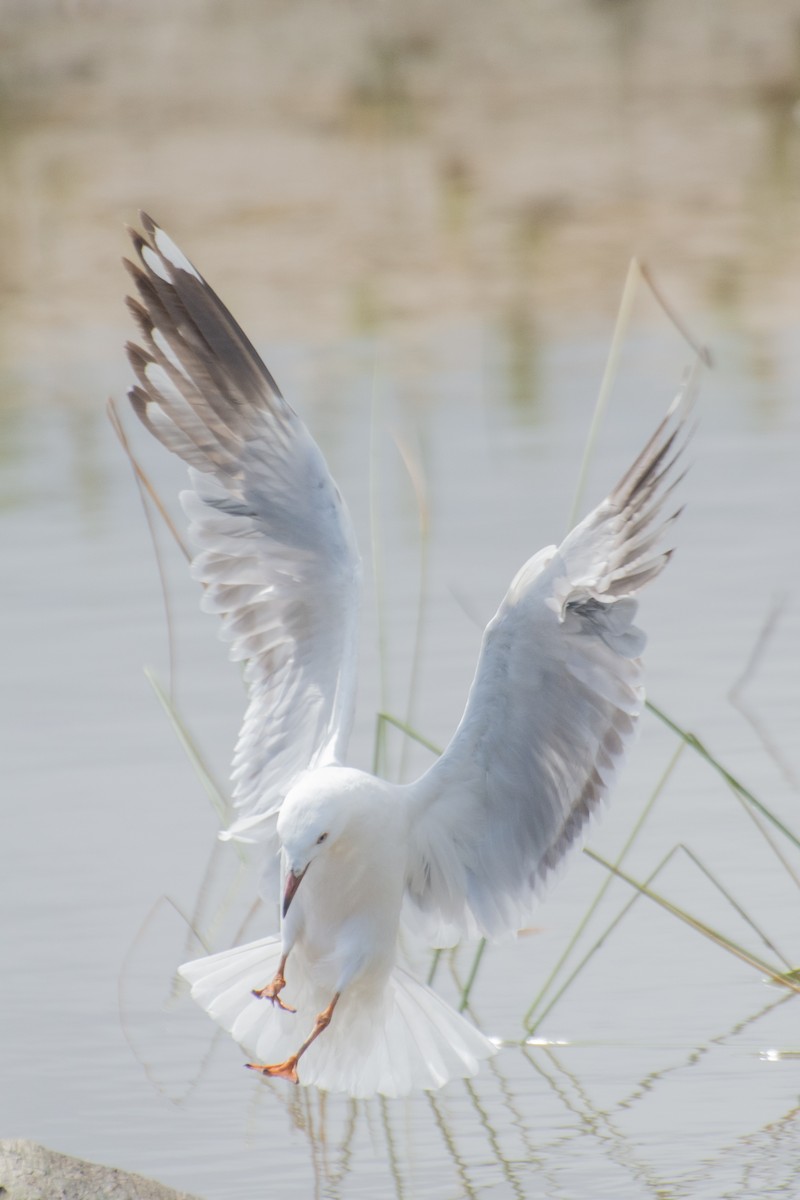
[272, 992]
[284, 1070]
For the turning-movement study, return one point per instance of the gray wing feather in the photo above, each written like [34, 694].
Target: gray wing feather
[277, 556]
[553, 705]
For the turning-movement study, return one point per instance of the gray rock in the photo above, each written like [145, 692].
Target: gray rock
[32, 1172]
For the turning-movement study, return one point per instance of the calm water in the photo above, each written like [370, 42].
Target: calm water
[672, 1068]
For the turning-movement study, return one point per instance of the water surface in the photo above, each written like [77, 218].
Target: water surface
[669, 1068]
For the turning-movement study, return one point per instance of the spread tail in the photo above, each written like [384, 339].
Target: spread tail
[405, 1040]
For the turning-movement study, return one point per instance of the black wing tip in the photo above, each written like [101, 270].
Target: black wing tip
[139, 359]
[183, 306]
[674, 432]
[139, 401]
[140, 314]
[144, 239]
[149, 225]
[133, 269]
[136, 236]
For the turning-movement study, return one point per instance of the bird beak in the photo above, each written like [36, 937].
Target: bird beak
[292, 884]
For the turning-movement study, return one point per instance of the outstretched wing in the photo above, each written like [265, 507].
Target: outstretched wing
[556, 695]
[277, 553]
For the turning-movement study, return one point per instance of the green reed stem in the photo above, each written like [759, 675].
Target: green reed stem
[219, 800]
[660, 785]
[695, 743]
[388, 719]
[711, 877]
[606, 384]
[473, 974]
[785, 978]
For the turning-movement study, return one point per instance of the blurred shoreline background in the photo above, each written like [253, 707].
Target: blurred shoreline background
[344, 167]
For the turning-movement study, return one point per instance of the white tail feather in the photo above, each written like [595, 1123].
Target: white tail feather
[409, 1040]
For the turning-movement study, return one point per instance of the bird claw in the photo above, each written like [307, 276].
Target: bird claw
[286, 1007]
[284, 1070]
[270, 992]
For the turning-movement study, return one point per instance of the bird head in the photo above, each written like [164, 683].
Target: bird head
[311, 821]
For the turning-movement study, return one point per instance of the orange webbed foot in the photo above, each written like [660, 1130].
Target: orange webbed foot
[284, 1070]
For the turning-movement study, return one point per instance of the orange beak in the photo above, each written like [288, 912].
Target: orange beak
[292, 884]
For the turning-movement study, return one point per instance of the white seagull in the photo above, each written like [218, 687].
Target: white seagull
[465, 849]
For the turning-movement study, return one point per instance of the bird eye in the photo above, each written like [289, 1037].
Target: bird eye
[321, 838]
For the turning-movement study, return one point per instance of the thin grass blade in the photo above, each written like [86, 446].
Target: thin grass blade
[219, 800]
[772, 973]
[527, 1020]
[692, 740]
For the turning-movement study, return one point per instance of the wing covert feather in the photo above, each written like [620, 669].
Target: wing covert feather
[276, 552]
[554, 703]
